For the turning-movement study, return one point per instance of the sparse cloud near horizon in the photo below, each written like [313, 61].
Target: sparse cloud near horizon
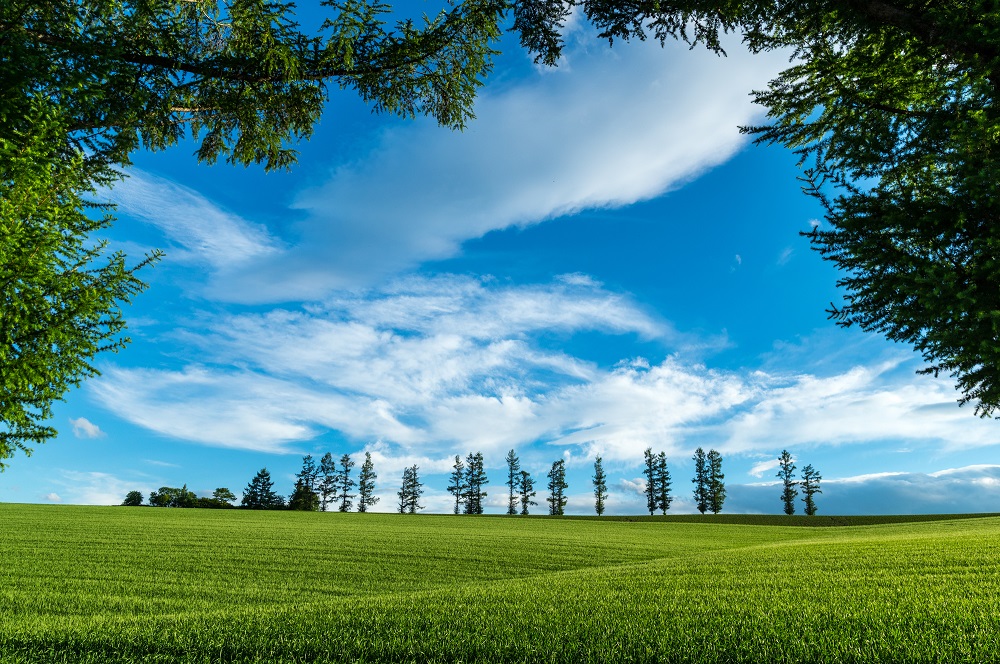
[431, 366]
[971, 488]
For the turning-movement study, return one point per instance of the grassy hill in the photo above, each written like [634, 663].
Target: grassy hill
[87, 584]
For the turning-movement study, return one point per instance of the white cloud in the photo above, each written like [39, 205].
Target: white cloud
[953, 491]
[540, 149]
[91, 488]
[858, 404]
[974, 470]
[448, 361]
[163, 464]
[636, 487]
[53, 498]
[432, 366]
[762, 467]
[84, 428]
[203, 231]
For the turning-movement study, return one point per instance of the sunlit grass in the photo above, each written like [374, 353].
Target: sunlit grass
[131, 584]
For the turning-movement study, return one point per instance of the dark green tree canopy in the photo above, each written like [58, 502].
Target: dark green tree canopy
[557, 488]
[366, 484]
[61, 295]
[133, 499]
[600, 480]
[241, 76]
[259, 493]
[786, 473]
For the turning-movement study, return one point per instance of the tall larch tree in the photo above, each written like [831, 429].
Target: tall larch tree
[557, 488]
[327, 481]
[650, 472]
[662, 478]
[344, 483]
[716, 482]
[513, 476]
[309, 473]
[810, 487]
[600, 486]
[305, 496]
[410, 492]
[366, 484]
[456, 483]
[475, 480]
[786, 473]
[701, 480]
[527, 488]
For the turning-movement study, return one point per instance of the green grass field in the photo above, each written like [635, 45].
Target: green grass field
[86, 584]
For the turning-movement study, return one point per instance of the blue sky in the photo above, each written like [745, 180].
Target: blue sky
[600, 263]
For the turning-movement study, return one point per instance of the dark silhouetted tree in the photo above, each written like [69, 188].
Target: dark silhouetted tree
[260, 495]
[786, 473]
[366, 484]
[133, 499]
[716, 483]
[662, 483]
[327, 484]
[309, 475]
[344, 483]
[475, 480]
[513, 476]
[456, 486]
[600, 486]
[409, 494]
[650, 472]
[224, 495]
[557, 488]
[810, 487]
[701, 480]
[303, 499]
[526, 485]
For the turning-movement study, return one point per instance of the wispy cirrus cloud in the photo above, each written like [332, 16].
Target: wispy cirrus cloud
[430, 366]
[539, 149]
[877, 402]
[198, 229]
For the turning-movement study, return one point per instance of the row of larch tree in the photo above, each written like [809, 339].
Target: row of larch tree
[809, 483]
[320, 487]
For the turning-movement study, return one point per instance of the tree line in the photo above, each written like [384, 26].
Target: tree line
[320, 487]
